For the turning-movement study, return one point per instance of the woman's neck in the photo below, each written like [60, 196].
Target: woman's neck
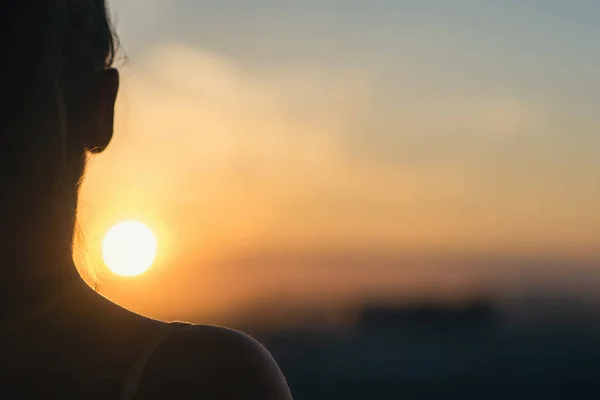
[36, 264]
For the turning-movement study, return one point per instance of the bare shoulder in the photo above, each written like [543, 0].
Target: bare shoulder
[202, 361]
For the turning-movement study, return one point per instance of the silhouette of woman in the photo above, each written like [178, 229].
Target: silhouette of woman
[59, 338]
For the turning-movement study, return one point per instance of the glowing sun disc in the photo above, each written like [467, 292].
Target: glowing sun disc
[129, 248]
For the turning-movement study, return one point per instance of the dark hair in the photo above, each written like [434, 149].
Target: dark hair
[50, 49]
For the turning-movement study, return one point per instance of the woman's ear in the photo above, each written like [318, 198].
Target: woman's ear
[103, 112]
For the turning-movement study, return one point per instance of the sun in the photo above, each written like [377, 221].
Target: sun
[129, 248]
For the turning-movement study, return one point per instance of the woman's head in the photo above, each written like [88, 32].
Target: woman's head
[58, 95]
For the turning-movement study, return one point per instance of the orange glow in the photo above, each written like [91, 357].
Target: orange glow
[258, 192]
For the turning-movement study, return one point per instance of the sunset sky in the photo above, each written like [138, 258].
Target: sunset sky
[327, 151]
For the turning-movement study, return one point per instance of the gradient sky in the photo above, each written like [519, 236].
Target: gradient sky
[352, 129]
